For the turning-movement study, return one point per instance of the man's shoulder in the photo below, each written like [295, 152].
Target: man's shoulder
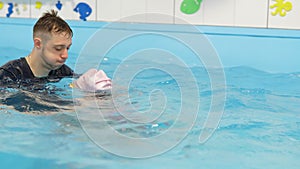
[12, 68]
[14, 63]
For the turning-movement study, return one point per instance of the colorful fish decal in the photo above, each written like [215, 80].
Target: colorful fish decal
[1, 5]
[58, 5]
[10, 9]
[38, 5]
[190, 6]
[84, 10]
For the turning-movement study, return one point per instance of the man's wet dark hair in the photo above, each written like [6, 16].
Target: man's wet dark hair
[50, 23]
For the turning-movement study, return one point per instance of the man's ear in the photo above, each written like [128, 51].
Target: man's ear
[37, 42]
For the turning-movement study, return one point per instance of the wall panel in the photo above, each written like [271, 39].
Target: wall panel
[252, 13]
[133, 10]
[108, 10]
[221, 13]
[163, 10]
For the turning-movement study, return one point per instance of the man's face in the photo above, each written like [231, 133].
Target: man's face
[55, 50]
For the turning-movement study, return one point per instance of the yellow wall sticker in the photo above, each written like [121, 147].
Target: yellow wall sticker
[281, 7]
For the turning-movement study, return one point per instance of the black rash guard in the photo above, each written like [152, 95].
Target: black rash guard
[18, 72]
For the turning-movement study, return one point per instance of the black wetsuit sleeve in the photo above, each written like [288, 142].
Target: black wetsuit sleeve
[9, 74]
[62, 72]
[8, 78]
[14, 71]
[6, 75]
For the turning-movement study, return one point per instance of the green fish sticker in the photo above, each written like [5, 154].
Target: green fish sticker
[190, 6]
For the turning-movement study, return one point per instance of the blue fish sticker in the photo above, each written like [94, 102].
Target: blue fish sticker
[84, 10]
[10, 9]
[58, 5]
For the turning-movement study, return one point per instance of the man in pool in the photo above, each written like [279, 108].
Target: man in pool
[52, 38]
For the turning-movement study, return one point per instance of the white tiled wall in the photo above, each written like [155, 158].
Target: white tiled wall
[246, 13]
[109, 10]
[217, 14]
[254, 14]
[133, 10]
[160, 11]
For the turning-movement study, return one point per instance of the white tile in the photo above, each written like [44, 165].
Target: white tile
[38, 7]
[66, 9]
[219, 12]
[160, 11]
[133, 10]
[252, 13]
[108, 10]
[291, 20]
[14, 9]
[183, 18]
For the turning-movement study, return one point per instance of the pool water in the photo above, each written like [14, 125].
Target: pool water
[157, 103]
[259, 127]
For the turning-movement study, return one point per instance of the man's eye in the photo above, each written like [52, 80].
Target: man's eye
[58, 48]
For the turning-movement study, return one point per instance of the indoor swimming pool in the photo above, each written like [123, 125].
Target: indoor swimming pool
[244, 95]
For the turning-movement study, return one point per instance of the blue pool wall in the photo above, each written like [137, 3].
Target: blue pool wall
[271, 50]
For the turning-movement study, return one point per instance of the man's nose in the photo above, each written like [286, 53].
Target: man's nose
[65, 54]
